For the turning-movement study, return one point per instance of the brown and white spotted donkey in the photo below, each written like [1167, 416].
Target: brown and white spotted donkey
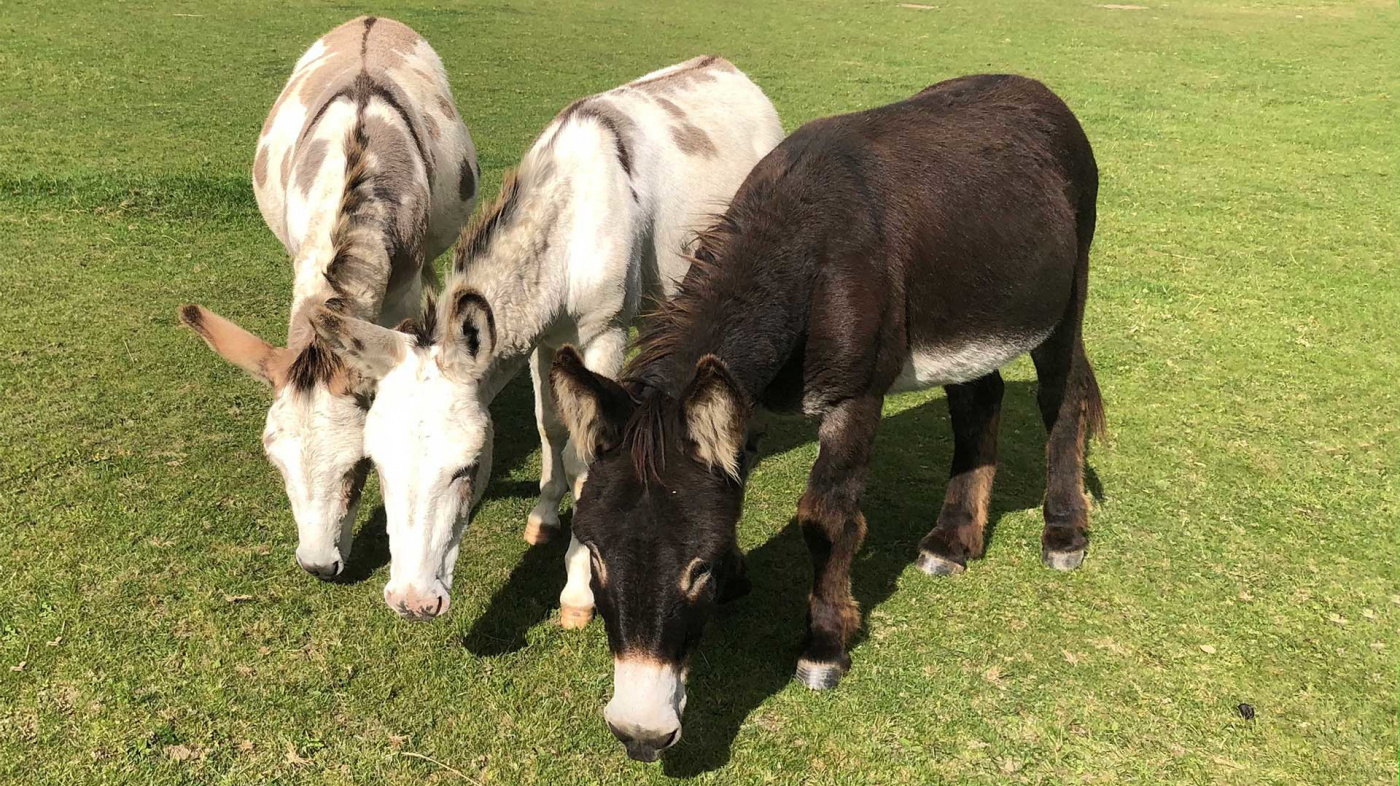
[366, 173]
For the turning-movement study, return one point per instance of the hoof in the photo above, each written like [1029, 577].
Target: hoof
[574, 617]
[538, 532]
[1062, 560]
[819, 676]
[934, 565]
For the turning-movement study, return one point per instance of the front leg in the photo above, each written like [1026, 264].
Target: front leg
[576, 601]
[833, 527]
[603, 355]
[543, 523]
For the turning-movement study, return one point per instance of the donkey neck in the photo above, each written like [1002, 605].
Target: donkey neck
[517, 262]
[366, 261]
[748, 308]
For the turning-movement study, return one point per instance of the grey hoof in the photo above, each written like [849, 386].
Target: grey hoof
[1062, 560]
[819, 676]
[934, 565]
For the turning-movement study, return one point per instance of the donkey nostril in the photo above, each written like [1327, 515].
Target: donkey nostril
[438, 609]
[671, 739]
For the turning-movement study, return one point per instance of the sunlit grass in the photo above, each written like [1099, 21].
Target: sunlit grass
[153, 626]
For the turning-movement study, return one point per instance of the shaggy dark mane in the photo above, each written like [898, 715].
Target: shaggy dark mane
[670, 321]
[644, 436]
[476, 237]
[316, 364]
[424, 328]
[348, 264]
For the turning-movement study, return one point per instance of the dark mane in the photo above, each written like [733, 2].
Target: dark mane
[315, 365]
[644, 436]
[476, 237]
[424, 328]
[357, 207]
[670, 322]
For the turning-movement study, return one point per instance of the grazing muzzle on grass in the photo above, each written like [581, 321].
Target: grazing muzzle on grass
[646, 707]
[658, 516]
[429, 436]
[314, 434]
[316, 441]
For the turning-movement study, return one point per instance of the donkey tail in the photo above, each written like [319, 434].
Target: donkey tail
[1096, 425]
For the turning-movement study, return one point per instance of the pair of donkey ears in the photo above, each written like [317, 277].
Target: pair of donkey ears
[596, 409]
[468, 339]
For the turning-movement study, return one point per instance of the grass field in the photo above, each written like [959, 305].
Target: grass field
[153, 626]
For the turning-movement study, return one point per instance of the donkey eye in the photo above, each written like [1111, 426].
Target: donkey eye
[697, 578]
[469, 471]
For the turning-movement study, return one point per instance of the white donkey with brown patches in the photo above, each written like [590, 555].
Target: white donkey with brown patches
[366, 173]
[593, 225]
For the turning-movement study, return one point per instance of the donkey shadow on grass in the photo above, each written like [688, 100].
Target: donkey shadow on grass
[751, 646]
[512, 413]
[531, 594]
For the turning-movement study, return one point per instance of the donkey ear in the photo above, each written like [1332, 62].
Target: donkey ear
[715, 416]
[233, 343]
[367, 348]
[594, 408]
[468, 333]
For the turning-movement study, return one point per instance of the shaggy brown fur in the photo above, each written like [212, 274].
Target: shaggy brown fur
[955, 223]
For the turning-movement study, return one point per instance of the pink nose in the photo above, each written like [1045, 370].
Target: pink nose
[412, 603]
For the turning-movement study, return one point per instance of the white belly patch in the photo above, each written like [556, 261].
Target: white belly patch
[931, 366]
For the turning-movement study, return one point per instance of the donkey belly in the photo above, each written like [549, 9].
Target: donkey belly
[929, 366]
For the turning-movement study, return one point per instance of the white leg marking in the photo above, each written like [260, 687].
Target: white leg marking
[576, 601]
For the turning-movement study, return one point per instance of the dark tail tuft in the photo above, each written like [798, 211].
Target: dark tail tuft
[1095, 422]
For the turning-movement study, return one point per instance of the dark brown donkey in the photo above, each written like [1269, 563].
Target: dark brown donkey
[927, 242]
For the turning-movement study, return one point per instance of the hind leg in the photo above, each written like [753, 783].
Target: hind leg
[1066, 382]
[833, 527]
[975, 409]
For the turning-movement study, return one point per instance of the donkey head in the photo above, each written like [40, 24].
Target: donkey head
[313, 434]
[428, 434]
[658, 515]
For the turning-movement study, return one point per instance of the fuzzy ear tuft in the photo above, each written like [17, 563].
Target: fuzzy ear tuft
[715, 416]
[594, 408]
[468, 333]
[233, 343]
[369, 349]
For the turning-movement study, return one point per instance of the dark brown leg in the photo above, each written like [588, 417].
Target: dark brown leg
[1069, 405]
[833, 527]
[975, 409]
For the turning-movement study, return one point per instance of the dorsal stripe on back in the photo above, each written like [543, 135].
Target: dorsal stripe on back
[360, 91]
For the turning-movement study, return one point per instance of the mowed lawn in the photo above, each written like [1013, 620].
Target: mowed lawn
[1244, 294]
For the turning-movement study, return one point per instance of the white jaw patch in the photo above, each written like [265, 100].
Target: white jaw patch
[648, 698]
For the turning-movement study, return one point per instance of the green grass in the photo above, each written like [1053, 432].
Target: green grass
[1242, 321]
